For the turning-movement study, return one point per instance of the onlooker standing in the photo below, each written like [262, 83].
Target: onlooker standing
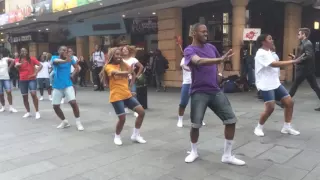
[84, 68]
[43, 77]
[98, 61]
[160, 65]
[14, 74]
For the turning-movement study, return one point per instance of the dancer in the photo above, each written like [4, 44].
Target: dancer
[28, 73]
[267, 81]
[14, 74]
[184, 99]
[115, 74]
[98, 60]
[306, 68]
[128, 54]
[62, 86]
[5, 83]
[43, 77]
[202, 58]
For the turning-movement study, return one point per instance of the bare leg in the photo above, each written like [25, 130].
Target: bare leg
[140, 117]
[2, 100]
[59, 112]
[120, 124]
[288, 108]
[75, 108]
[35, 101]
[194, 135]
[9, 97]
[49, 91]
[268, 110]
[181, 111]
[41, 91]
[229, 131]
[26, 102]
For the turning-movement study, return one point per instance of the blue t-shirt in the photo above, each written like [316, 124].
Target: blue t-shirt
[61, 77]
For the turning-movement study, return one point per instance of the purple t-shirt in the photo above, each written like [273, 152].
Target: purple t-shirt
[204, 78]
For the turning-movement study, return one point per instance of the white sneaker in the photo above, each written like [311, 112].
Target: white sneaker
[289, 130]
[117, 141]
[191, 157]
[50, 98]
[203, 124]
[63, 124]
[2, 109]
[258, 132]
[126, 110]
[79, 126]
[41, 98]
[232, 160]
[138, 138]
[37, 115]
[180, 124]
[62, 101]
[26, 115]
[13, 110]
[135, 114]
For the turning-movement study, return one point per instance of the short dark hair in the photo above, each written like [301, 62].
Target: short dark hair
[261, 38]
[195, 26]
[305, 31]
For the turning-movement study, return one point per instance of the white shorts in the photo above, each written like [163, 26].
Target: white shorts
[67, 93]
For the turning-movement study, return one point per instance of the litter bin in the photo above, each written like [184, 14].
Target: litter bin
[142, 91]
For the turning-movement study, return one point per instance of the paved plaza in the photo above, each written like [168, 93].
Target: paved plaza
[35, 150]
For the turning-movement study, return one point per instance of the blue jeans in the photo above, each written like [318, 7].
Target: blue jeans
[275, 95]
[5, 85]
[184, 99]
[27, 85]
[131, 103]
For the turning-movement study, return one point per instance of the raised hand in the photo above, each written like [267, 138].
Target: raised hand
[227, 55]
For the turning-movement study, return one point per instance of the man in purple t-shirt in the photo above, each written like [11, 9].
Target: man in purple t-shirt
[203, 58]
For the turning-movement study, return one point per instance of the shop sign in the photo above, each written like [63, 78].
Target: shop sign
[144, 25]
[28, 37]
[85, 2]
[42, 7]
[250, 34]
[61, 5]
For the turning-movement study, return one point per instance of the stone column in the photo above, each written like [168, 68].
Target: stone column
[33, 49]
[43, 47]
[238, 25]
[170, 26]
[292, 22]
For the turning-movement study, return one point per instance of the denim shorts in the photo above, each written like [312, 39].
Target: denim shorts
[26, 85]
[217, 102]
[132, 103]
[5, 85]
[67, 93]
[43, 83]
[275, 95]
[184, 95]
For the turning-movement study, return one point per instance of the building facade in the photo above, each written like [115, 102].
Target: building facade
[151, 24]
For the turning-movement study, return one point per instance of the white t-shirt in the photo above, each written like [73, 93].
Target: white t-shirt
[4, 69]
[131, 62]
[267, 77]
[186, 74]
[44, 72]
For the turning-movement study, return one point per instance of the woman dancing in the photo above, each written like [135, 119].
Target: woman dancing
[115, 74]
[267, 68]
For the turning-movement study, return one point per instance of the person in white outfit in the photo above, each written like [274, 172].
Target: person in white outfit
[5, 83]
[43, 77]
[267, 70]
[185, 94]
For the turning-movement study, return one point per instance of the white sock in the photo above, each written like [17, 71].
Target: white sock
[10, 106]
[260, 126]
[180, 118]
[78, 119]
[228, 147]
[65, 121]
[287, 125]
[135, 131]
[194, 148]
[117, 136]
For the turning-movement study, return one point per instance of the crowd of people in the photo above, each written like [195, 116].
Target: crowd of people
[119, 70]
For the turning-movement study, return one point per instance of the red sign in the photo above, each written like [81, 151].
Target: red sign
[19, 14]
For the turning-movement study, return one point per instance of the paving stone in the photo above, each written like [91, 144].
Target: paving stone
[285, 173]
[306, 160]
[279, 154]
[253, 149]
